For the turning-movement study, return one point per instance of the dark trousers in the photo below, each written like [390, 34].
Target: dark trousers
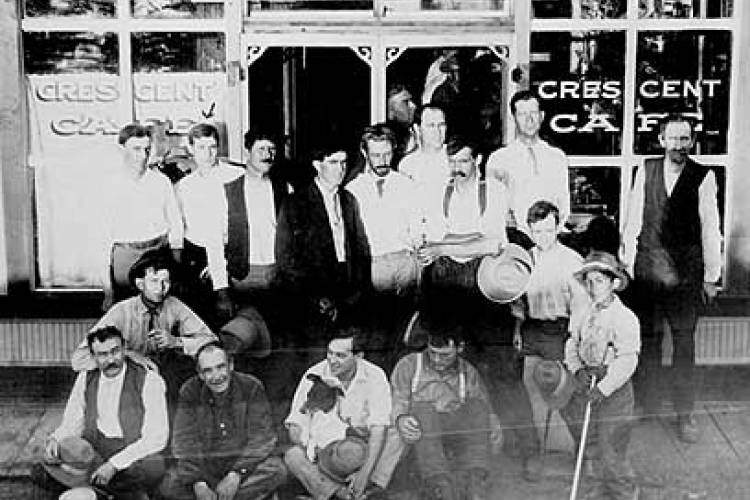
[680, 310]
[608, 438]
[545, 338]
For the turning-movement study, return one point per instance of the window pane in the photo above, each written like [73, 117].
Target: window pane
[579, 9]
[177, 9]
[64, 52]
[683, 72]
[178, 52]
[80, 8]
[580, 78]
[595, 191]
[76, 109]
[262, 5]
[684, 8]
[418, 5]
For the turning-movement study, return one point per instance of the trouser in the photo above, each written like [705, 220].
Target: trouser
[122, 257]
[395, 272]
[267, 476]
[450, 294]
[680, 310]
[545, 338]
[608, 438]
[193, 283]
[464, 433]
[322, 487]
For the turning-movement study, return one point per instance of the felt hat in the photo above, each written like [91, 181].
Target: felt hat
[503, 278]
[156, 258]
[247, 332]
[78, 460]
[555, 383]
[340, 459]
[598, 260]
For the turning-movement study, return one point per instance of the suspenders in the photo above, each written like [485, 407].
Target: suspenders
[418, 373]
[481, 195]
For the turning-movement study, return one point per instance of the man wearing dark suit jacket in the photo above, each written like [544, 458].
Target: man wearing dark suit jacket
[322, 251]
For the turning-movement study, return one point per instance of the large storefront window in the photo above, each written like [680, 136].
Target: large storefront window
[580, 77]
[595, 191]
[684, 8]
[177, 9]
[579, 9]
[69, 8]
[684, 72]
[389, 6]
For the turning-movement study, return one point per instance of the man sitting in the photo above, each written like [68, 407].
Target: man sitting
[440, 403]
[223, 435]
[117, 408]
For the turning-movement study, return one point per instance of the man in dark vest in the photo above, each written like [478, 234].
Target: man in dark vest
[223, 435]
[672, 241]
[119, 409]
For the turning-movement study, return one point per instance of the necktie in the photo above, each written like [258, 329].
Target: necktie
[380, 184]
[534, 164]
[336, 208]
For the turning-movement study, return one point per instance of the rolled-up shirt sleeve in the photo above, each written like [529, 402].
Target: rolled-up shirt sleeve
[155, 429]
[72, 421]
[708, 212]
[379, 403]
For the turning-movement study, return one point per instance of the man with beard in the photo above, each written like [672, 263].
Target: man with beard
[223, 436]
[672, 243]
[387, 204]
[118, 409]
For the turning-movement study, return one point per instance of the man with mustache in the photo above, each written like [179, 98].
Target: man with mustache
[118, 407]
[223, 436]
[672, 245]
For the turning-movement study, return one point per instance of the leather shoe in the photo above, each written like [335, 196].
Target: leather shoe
[532, 469]
[688, 428]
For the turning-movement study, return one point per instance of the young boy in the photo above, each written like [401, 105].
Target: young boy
[602, 352]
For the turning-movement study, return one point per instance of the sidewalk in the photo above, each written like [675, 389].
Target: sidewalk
[32, 402]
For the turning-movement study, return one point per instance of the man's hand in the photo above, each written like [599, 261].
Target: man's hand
[583, 380]
[227, 487]
[224, 305]
[295, 434]
[409, 428]
[357, 484]
[203, 492]
[427, 254]
[595, 396]
[52, 451]
[709, 292]
[163, 340]
[103, 475]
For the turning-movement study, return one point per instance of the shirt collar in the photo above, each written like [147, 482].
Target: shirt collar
[142, 308]
[327, 191]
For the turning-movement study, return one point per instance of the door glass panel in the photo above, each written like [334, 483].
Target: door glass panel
[580, 9]
[311, 96]
[675, 9]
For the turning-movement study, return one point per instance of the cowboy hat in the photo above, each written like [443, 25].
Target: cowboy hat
[247, 332]
[503, 278]
[598, 260]
[555, 383]
[78, 460]
[340, 459]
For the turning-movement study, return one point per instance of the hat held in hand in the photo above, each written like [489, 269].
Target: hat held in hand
[503, 278]
[78, 460]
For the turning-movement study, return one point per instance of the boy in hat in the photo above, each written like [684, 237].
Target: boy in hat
[602, 352]
[154, 324]
[439, 404]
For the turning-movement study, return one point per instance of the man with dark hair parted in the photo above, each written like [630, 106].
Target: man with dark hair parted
[223, 436]
[116, 417]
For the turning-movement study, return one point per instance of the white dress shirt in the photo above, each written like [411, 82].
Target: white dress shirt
[532, 173]
[155, 429]
[261, 219]
[708, 212]
[426, 168]
[335, 218]
[392, 221]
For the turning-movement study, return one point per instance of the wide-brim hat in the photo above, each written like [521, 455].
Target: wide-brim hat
[340, 459]
[598, 260]
[503, 278]
[555, 383]
[247, 332]
[78, 460]
[157, 258]
[79, 493]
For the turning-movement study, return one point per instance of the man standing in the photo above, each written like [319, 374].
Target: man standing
[322, 251]
[153, 324]
[530, 168]
[673, 244]
[365, 406]
[118, 408]
[387, 203]
[223, 436]
[141, 214]
[427, 166]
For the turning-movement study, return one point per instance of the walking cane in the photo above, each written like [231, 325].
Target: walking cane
[585, 431]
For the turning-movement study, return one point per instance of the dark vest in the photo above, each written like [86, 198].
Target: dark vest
[131, 403]
[237, 250]
[672, 224]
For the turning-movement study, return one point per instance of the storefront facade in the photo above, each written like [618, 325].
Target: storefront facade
[75, 71]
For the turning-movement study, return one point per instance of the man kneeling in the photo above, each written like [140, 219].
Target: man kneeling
[223, 435]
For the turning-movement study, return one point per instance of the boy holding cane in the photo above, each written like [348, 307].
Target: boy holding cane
[602, 352]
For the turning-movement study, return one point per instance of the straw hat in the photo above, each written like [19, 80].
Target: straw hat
[604, 262]
[247, 332]
[503, 278]
[340, 459]
[78, 460]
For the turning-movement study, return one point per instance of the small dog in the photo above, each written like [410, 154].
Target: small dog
[326, 424]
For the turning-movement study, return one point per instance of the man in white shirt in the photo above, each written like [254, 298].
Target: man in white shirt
[120, 409]
[141, 214]
[388, 207]
[428, 166]
[531, 169]
[672, 245]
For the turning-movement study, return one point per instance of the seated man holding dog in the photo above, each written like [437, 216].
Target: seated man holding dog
[363, 409]
[440, 404]
[223, 436]
[113, 429]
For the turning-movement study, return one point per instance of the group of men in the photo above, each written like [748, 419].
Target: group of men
[344, 267]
